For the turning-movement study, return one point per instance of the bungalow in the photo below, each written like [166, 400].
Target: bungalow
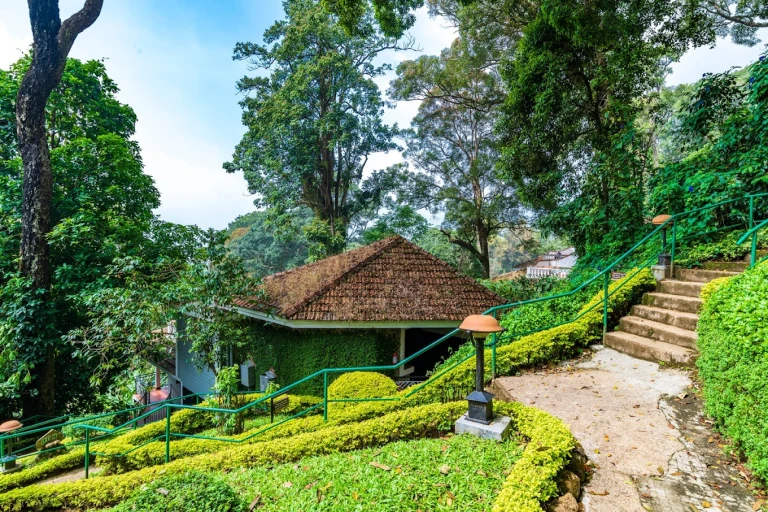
[369, 306]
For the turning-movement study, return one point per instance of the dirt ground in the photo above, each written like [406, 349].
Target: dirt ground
[643, 430]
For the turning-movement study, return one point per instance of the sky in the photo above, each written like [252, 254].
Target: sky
[173, 62]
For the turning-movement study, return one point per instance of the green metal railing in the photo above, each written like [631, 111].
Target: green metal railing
[752, 233]
[604, 275]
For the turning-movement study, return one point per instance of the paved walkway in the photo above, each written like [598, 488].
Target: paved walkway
[643, 430]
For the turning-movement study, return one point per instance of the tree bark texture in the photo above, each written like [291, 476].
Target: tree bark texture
[52, 41]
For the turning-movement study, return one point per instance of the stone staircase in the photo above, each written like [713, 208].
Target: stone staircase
[663, 327]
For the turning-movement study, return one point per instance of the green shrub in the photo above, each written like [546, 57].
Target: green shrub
[711, 287]
[77, 434]
[733, 362]
[531, 480]
[412, 423]
[362, 385]
[296, 353]
[725, 248]
[74, 458]
[525, 288]
[544, 346]
[186, 492]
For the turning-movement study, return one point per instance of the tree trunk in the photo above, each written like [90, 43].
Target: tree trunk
[52, 42]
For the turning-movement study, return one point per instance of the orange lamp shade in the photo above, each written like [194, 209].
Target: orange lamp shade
[481, 324]
[661, 219]
[9, 426]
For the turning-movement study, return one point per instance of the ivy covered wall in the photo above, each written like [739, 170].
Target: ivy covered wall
[296, 353]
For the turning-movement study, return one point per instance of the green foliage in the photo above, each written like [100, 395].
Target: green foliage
[524, 288]
[314, 120]
[73, 459]
[531, 481]
[362, 385]
[722, 128]
[528, 318]
[544, 346]
[74, 433]
[414, 477]
[297, 353]
[402, 220]
[436, 243]
[733, 361]
[454, 149]
[723, 248]
[176, 288]
[101, 208]
[187, 492]
[267, 246]
[227, 385]
[411, 423]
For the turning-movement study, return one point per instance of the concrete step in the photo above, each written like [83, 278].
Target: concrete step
[730, 266]
[687, 288]
[761, 253]
[658, 331]
[701, 275]
[673, 302]
[648, 349]
[667, 316]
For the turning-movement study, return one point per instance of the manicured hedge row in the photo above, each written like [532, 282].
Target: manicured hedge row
[185, 421]
[549, 345]
[104, 491]
[733, 361]
[532, 479]
[153, 454]
[51, 467]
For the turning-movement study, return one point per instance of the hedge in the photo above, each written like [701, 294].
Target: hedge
[531, 480]
[733, 361]
[126, 453]
[548, 345]
[108, 490]
[45, 469]
[362, 385]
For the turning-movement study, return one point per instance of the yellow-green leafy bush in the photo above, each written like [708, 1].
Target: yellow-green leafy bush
[362, 385]
[47, 468]
[98, 492]
[733, 362]
[548, 345]
[136, 449]
[711, 287]
[531, 480]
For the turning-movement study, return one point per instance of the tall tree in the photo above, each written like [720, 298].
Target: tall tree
[454, 149]
[315, 120]
[52, 41]
[102, 204]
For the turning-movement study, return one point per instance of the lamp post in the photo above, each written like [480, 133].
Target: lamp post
[664, 258]
[480, 401]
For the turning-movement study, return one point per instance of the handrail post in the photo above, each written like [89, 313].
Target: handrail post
[494, 340]
[751, 212]
[753, 253]
[2, 447]
[325, 396]
[167, 435]
[672, 251]
[606, 280]
[87, 450]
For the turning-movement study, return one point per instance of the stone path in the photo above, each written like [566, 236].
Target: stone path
[652, 448]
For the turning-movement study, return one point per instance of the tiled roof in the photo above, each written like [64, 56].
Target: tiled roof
[392, 280]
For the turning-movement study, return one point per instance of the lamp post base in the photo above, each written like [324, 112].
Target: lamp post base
[498, 429]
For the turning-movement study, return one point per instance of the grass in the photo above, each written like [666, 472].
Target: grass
[452, 473]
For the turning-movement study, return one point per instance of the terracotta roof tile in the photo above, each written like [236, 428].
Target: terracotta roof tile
[391, 280]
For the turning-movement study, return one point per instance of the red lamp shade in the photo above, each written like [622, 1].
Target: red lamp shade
[661, 219]
[481, 324]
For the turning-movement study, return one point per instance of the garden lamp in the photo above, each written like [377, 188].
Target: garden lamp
[480, 401]
[8, 460]
[664, 258]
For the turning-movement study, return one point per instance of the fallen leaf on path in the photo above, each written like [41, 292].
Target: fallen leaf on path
[661, 470]
[288, 484]
[595, 493]
[254, 502]
[380, 466]
[706, 504]
[163, 491]
[445, 469]
[756, 506]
